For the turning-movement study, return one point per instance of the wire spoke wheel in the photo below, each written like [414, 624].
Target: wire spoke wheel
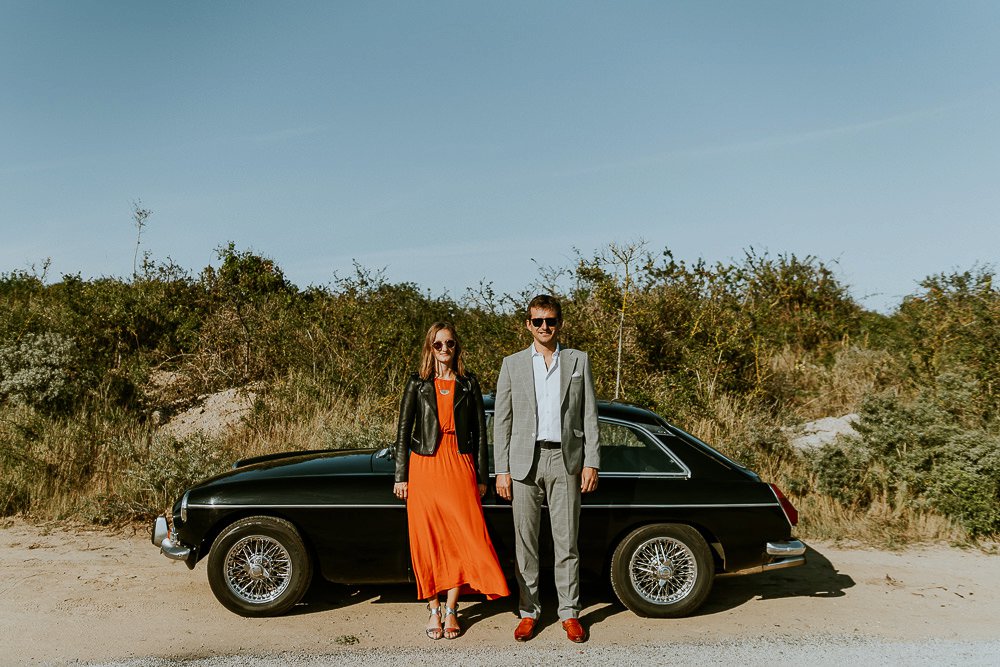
[258, 569]
[663, 570]
[259, 566]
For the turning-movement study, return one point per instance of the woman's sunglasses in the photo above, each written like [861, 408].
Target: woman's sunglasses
[551, 321]
[441, 344]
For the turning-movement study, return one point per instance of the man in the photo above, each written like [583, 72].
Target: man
[546, 449]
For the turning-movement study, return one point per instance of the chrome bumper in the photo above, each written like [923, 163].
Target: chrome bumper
[790, 548]
[790, 554]
[162, 538]
[784, 554]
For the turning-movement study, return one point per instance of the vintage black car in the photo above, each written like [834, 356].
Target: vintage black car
[670, 514]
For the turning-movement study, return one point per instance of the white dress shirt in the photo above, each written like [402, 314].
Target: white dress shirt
[549, 426]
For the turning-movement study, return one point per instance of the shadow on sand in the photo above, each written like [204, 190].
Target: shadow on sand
[326, 596]
[818, 578]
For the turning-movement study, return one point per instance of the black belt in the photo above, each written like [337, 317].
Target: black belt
[548, 444]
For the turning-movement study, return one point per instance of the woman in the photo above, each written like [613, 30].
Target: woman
[441, 473]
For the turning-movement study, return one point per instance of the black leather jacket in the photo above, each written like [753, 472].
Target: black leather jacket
[418, 430]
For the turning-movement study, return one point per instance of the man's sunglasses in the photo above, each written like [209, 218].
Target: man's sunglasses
[551, 321]
[440, 345]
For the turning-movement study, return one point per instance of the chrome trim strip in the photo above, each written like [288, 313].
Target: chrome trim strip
[485, 507]
[317, 506]
[682, 506]
[644, 475]
[184, 505]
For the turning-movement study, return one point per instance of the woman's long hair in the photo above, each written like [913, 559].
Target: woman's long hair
[427, 354]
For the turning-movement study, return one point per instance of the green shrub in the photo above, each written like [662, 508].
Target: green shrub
[953, 321]
[934, 451]
[41, 370]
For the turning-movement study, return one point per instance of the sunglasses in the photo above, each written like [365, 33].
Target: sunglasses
[441, 344]
[551, 321]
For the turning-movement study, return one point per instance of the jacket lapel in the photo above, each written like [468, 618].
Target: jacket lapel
[567, 364]
[527, 372]
[428, 392]
[460, 391]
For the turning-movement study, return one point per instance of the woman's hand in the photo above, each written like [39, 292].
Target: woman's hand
[399, 490]
[482, 490]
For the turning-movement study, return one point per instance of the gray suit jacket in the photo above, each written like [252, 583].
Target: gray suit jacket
[515, 416]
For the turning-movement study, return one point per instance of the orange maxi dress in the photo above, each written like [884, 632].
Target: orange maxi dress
[449, 544]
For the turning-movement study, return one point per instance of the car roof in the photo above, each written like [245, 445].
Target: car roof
[611, 409]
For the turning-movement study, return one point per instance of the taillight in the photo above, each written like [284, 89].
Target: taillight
[791, 513]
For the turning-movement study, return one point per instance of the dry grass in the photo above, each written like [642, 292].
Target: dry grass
[883, 524]
[111, 468]
[53, 467]
[298, 416]
[812, 390]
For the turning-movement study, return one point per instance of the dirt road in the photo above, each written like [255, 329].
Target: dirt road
[82, 595]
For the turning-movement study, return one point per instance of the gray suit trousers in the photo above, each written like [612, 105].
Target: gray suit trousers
[548, 481]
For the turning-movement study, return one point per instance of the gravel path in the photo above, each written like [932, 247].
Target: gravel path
[812, 651]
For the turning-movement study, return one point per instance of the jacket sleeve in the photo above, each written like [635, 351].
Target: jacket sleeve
[404, 430]
[479, 434]
[502, 420]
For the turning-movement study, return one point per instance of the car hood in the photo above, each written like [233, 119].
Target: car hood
[290, 465]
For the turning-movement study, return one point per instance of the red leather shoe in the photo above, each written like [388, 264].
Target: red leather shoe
[525, 629]
[574, 631]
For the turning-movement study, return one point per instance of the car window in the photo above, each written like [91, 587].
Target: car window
[624, 449]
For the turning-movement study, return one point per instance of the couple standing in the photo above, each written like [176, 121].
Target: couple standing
[545, 450]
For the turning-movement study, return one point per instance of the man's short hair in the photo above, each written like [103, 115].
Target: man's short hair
[544, 301]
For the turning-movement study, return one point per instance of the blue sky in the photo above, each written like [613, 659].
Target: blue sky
[453, 142]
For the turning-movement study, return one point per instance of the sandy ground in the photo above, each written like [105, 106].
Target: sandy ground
[72, 594]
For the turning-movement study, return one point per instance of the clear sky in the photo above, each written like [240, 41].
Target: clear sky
[453, 142]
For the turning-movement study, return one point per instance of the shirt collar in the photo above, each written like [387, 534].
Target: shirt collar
[536, 353]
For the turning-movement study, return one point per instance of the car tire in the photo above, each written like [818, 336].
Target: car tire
[259, 566]
[662, 570]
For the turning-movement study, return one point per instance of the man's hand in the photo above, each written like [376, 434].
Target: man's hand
[399, 490]
[588, 480]
[503, 486]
